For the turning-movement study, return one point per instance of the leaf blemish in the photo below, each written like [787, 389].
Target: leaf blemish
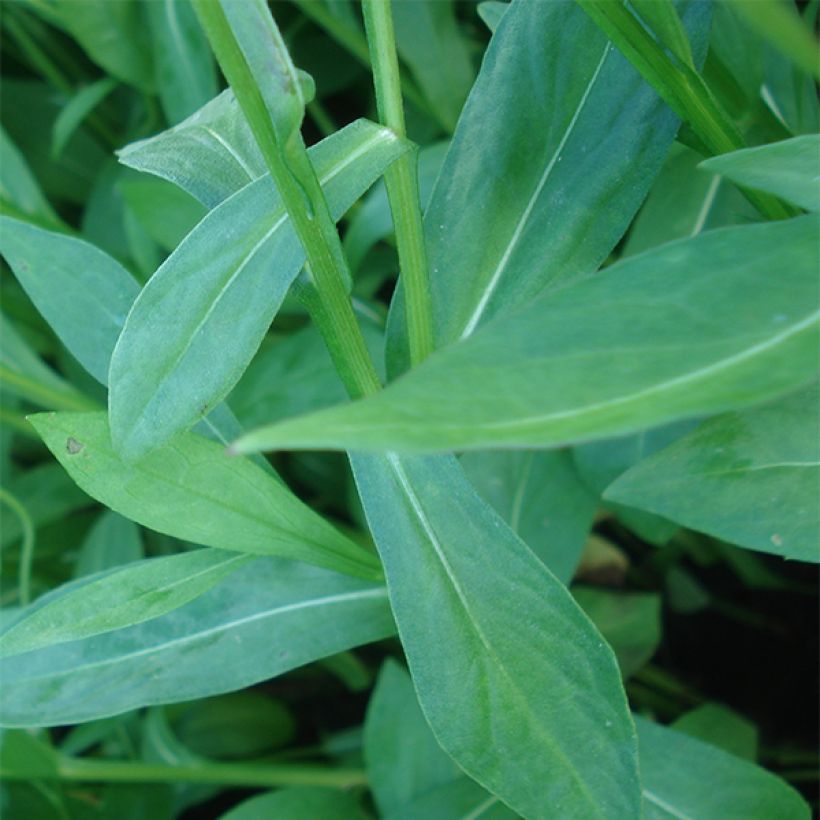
[73, 446]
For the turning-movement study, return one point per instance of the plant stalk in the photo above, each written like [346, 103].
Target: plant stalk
[307, 208]
[401, 179]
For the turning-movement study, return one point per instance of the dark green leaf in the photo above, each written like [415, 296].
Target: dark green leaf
[299, 803]
[721, 727]
[694, 327]
[192, 490]
[515, 682]
[196, 325]
[267, 618]
[111, 542]
[18, 185]
[766, 460]
[77, 109]
[23, 756]
[541, 497]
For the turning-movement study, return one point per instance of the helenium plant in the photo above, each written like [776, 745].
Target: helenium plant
[432, 415]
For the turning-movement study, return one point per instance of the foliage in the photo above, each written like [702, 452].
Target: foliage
[394, 475]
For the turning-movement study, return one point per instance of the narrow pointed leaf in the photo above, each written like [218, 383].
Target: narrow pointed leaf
[76, 110]
[120, 598]
[516, 684]
[18, 185]
[684, 777]
[198, 322]
[263, 620]
[766, 460]
[573, 137]
[788, 169]
[192, 490]
[211, 155]
[695, 327]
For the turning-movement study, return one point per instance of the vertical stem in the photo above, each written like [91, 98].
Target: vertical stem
[307, 208]
[27, 547]
[401, 179]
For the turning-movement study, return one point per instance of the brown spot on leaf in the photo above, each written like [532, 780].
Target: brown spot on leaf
[73, 446]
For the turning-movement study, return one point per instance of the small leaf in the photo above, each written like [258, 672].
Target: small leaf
[111, 542]
[766, 460]
[25, 757]
[721, 727]
[515, 682]
[788, 169]
[19, 186]
[265, 619]
[211, 155]
[683, 777]
[192, 490]
[119, 598]
[198, 322]
[299, 803]
[76, 110]
[666, 25]
[694, 327]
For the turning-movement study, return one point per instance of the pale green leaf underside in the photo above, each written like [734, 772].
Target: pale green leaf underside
[687, 779]
[515, 682]
[120, 598]
[766, 460]
[698, 326]
[788, 169]
[263, 620]
[198, 322]
[192, 490]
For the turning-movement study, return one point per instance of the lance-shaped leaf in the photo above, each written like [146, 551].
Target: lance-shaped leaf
[120, 598]
[199, 320]
[192, 490]
[766, 460]
[695, 327]
[554, 152]
[186, 74]
[211, 155]
[265, 619]
[515, 682]
[788, 169]
[684, 777]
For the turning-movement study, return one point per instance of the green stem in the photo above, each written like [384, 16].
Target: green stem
[227, 774]
[27, 547]
[42, 395]
[304, 200]
[683, 89]
[401, 179]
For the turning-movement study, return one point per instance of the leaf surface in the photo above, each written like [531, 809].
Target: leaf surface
[192, 490]
[555, 150]
[265, 619]
[119, 598]
[198, 322]
[766, 459]
[694, 327]
[686, 778]
[515, 682]
[788, 169]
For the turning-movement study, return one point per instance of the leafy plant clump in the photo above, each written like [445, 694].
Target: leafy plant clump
[463, 464]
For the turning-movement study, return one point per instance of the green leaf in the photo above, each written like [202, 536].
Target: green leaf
[186, 74]
[299, 803]
[429, 41]
[111, 542]
[630, 622]
[574, 138]
[198, 322]
[541, 497]
[120, 598]
[721, 727]
[402, 756]
[787, 169]
[211, 155]
[683, 777]
[81, 291]
[515, 682]
[114, 35]
[491, 12]
[19, 186]
[76, 110]
[695, 327]
[192, 490]
[23, 756]
[265, 619]
[462, 798]
[666, 25]
[766, 459]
